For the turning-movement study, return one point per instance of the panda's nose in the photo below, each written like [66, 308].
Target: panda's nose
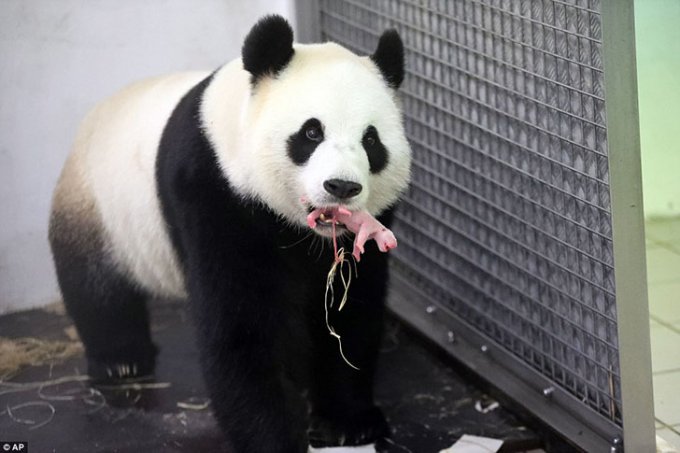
[341, 188]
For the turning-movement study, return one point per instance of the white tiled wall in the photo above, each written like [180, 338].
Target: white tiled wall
[663, 269]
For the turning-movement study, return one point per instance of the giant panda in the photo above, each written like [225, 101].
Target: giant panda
[198, 186]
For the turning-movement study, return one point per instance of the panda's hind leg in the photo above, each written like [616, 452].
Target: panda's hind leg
[109, 311]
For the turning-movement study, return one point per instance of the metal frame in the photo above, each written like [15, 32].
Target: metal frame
[623, 135]
[557, 408]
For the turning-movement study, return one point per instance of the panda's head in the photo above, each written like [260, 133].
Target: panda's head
[324, 126]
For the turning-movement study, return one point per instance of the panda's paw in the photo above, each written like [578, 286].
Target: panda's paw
[108, 370]
[358, 431]
[370, 448]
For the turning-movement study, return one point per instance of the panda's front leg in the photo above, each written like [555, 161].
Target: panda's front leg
[343, 409]
[237, 323]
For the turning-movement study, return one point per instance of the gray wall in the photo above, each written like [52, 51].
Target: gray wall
[58, 58]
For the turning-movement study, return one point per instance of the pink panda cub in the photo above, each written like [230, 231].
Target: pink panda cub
[361, 223]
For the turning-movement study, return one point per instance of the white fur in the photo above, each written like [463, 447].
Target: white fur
[119, 140]
[325, 81]
[370, 448]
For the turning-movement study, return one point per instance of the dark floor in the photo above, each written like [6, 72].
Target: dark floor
[428, 404]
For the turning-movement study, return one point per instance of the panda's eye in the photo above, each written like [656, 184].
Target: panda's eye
[314, 133]
[370, 141]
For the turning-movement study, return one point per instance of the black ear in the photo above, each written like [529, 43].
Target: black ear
[389, 57]
[268, 47]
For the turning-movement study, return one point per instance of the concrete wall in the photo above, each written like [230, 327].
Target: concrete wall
[657, 37]
[58, 58]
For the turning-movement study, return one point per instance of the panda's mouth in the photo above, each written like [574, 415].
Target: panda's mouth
[324, 218]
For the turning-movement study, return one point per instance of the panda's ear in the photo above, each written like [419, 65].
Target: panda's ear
[389, 57]
[268, 47]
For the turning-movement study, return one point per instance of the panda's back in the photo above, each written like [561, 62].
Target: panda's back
[114, 157]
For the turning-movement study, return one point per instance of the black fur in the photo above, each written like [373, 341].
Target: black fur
[108, 310]
[377, 154]
[268, 47]
[389, 57]
[300, 145]
[257, 291]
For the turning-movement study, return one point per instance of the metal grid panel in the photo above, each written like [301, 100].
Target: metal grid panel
[507, 221]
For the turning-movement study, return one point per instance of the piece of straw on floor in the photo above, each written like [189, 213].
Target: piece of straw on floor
[17, 353]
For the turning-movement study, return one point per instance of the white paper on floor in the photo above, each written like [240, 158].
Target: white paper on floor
[662, 446]
[370, 448]
[474, 444]
[485, 409]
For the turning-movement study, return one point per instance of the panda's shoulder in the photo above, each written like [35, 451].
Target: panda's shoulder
[183, 138]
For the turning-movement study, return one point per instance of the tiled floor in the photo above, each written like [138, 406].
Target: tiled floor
[663, 277]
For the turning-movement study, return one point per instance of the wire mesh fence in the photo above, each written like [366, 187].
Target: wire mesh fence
[508, 220]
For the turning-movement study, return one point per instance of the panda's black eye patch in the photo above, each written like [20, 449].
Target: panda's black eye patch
[375, 150]
[302, 143]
